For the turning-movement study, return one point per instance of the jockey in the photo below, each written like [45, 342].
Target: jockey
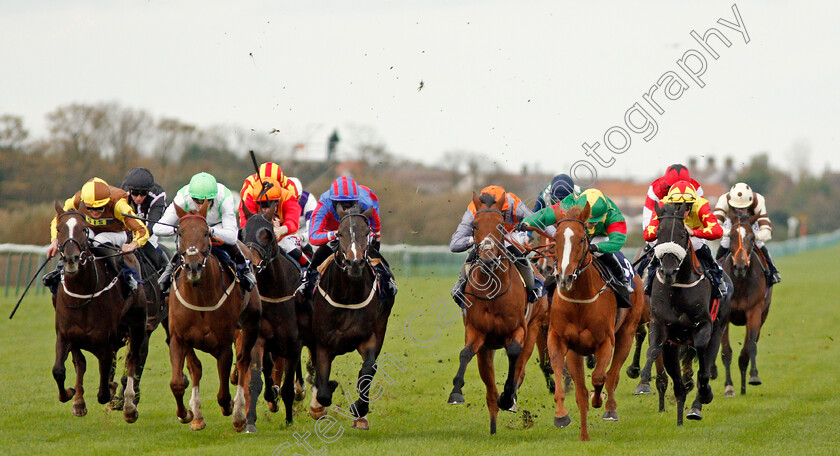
[560, 187]
[345, 193]
[607, 231]
[514, 212]
[659, 188]
[221, 218]
[286, 216]
[105, 209]
[307, 204]
[703, 227]
[741, 196]
[148, 200]
[267, 171]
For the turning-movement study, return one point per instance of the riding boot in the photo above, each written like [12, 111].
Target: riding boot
[130, 271]
[386, 281]
[620, 284]
[307, 287]
[243, 269]
[165, 279]
[297, 255]
[719, 288]
[651, 271]
[721, 252]
[52, 278]
[459, 288]
[775, 277]
[535, 290]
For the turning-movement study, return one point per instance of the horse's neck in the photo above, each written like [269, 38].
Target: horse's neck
[279, 274]
[499, 275]
[588, 281]
[350, 288]
[89, 276]
[686, 272]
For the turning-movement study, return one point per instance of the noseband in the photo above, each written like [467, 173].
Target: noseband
[193, 250]
[579, 268]
[84, 247]
[487, 244]
[341, 260]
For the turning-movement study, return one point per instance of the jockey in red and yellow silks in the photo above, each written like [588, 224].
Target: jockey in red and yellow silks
[251, 187]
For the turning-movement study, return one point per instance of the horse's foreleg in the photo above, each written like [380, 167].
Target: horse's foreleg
[252, 393]
[753, 327]
[321, 389]
[545, 362]
[361, 407]
[137, 340]
[557, 356]
[475, 341]
[197, 422]
[62, 348]
[79, 362]
[726, 358]
[633, 369]
[270, 393]
[178, 382]
[527, 349]
[623, 343]
[106, 357]
[250, 322]
[488, 376]
[661, 381]
[671, 358]
[603, 355]
[507, 400]
[287, 391]
[574, 362]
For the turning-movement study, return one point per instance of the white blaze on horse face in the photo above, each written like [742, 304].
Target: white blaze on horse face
[567, 251]
[353, 243]
[742, 232]
[71, 226]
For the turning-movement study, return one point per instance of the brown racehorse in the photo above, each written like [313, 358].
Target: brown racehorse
[750, 301]
[538, 326]
[277, 350]
[205, 306]
[582, 322]
[91, 314]
[495, 314]
[347, 315]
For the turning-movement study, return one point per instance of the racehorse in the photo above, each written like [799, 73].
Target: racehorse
[495, 314]
[347, 315]
[750, 300]
[205, 305]
[545, 267]
[681, 309]
[91, 314]
[277, 350]
[582, 321]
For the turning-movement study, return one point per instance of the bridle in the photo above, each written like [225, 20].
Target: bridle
[267, 255]
[740, 247]
[487, 244]
[579, 268]
[340, 256]
[193, 250]
[84, 247]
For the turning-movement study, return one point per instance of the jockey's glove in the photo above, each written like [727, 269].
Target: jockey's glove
[593, 248]
[521, 226]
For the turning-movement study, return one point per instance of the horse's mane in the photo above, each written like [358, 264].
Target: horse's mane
[487, 199]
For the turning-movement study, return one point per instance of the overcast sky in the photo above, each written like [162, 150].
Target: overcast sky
[522, 82]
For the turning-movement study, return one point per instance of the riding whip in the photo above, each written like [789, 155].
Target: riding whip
[27, 287]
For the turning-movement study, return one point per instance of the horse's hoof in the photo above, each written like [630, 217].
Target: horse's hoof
[455, 399]
[273, 407]
[689, 385]
[131, 417]
[68, 394]
[361, 423]
[591, 361]
[506, 402]
[79, 411]
[187, 418]
[197, 425]
[694, 414]
[513, 408]
[317, 412]
[705, 397]
[238, 426]
[563, 421]
[610, 415]
[633, 371]
[754, 380]
[597, 401]
[642, 388]
[713, 372]
[234, 377]
[250, 429]
[300, 395]
[729, 391]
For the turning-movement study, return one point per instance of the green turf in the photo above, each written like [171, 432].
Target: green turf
[795, 411]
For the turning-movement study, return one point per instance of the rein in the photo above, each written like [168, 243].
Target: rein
[578, 270]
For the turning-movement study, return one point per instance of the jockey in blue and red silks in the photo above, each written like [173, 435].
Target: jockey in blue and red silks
[344, 192]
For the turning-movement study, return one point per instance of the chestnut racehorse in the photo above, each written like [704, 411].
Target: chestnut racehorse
[91, 314]
[205, 306]
[750, 300]
[495, 314]
[582, 321]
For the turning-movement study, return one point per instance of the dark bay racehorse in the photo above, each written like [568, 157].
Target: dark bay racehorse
[681, 309]
[91, 314]
[495, 314]
[750, 300]
[205, 306]
[582, 322]
[277, 350]
[346, 315]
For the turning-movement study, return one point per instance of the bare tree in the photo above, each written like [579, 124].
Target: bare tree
[12, 133]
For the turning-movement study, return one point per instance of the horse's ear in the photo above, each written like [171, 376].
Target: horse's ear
[202, 210]
[657, 207]
[476, 201]
[368, 213]
[682, 209]
[500, 203]
[245, 209]
[179, 211]
[558, 212]
[585, 213]
[59, 209]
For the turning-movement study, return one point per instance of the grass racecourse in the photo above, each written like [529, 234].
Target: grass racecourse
[795, 411]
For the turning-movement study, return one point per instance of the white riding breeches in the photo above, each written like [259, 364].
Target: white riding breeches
[116, 239]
